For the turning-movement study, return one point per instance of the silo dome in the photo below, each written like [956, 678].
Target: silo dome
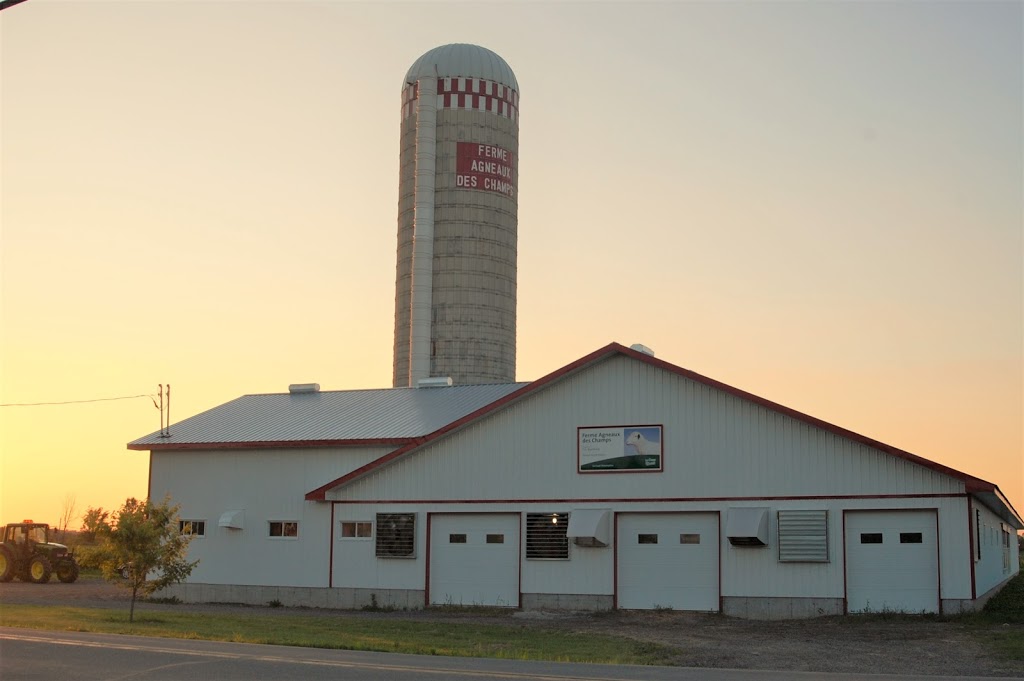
[463, 61]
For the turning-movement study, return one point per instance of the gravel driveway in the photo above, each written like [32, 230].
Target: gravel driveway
[836, 644]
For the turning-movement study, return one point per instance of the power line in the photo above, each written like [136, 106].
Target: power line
[98, 399]
[5, 4]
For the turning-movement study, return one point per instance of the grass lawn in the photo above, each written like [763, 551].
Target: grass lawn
[998, 627]
[1007, 606]
[380, 635]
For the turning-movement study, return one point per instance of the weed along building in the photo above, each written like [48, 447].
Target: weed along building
[618, 481]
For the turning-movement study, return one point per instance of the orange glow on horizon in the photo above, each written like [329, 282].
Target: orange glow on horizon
[817, 204]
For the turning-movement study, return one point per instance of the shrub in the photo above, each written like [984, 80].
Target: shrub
[1008, 605]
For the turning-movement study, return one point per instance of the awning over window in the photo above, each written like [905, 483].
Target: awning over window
[590, 526]
[232, 519]
[747, 526]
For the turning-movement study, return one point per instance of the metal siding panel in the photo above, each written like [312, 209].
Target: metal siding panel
[989, 570]
[528, 450]
[267, 486]
[745, 572]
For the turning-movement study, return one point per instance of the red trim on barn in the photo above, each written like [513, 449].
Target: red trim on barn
[970, 546]
[519, 552]
[273, 444]
[1001, 497]
[655, 500]
[426, 577]
[846, 600]
[330, 562]
[972, 483]
[938, 557]
[721, 598]
[615, 561]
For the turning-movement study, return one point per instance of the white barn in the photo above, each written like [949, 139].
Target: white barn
[618, 481]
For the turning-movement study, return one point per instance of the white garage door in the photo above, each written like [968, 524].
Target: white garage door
[668, 560]
[474, 559]
[892, 561]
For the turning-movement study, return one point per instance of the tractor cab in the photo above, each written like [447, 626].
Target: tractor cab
[28, 533]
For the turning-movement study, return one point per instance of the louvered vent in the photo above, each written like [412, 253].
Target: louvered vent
[396, 535]
[803, 536]
[546, 535]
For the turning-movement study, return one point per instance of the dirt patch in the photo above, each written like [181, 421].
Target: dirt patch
[857, 644]
[87, 591]
[831, 644]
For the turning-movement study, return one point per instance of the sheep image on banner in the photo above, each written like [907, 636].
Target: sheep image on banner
[642, 445]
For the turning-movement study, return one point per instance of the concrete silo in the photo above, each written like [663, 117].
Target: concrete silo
[455, 292]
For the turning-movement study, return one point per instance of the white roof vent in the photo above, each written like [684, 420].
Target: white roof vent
[747, 526]
[299, 388]
[642, 348]
[590, 526]
[435, 382]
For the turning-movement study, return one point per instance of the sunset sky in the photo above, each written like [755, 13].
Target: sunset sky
[820, 203]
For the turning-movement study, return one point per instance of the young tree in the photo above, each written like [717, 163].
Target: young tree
[67, 512]
[144, 537]
[94, 522]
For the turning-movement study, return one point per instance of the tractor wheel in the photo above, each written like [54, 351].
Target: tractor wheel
[67, 571]
[39, 570]
[6, 565]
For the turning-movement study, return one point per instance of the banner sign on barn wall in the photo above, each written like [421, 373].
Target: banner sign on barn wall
[485, 167]
[619, 448]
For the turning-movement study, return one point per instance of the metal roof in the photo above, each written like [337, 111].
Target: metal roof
[390, 415]
[985, 491]
[463, 61]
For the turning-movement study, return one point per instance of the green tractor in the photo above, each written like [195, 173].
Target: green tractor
[27, 553]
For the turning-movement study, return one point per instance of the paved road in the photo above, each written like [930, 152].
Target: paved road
[28, 655]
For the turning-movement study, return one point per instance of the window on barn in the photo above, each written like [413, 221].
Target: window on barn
[495, 539]
[287, 529]
[396, 535]
[910, 538]
[546, 536]
[870, 537]
[1006, 548]
[356, 529]
[193, 528]
[803, 536]
[977, 534]
[689, 539]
